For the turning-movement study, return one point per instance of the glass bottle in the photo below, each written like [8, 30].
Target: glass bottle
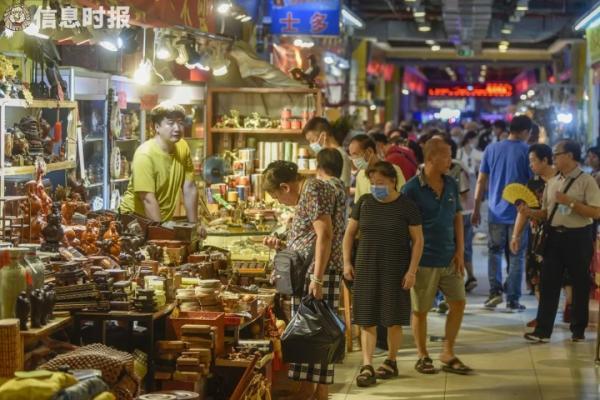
[197, 161]
[12, 279]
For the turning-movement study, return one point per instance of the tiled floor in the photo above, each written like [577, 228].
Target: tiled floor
[492, 343]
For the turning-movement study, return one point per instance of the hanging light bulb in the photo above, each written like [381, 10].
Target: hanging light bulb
[143, 73]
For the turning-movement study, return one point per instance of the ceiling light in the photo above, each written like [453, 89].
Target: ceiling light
[583, 22]
[224, 8]
[484, 67]
[328, 60]
[239, 17]
[523, 96]
[530, 93]
[470, 88]
[405, 92]
[424, 28]
[220, 71]
[298, 42]
[481, 79]
[351, 18]
[430, 42]
[108, 45]
[522, 6]
[506, 30]
[373, 107]
[564, 117]
[246, 18]
[419, 14]
[504, 43]
[436, 47]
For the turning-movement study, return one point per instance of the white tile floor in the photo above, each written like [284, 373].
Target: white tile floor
[492, 343]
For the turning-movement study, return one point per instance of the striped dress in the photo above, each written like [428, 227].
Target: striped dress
[382, 259]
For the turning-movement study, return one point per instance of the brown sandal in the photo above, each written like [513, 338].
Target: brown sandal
[388, 370]
[366, 376]
[425, 366]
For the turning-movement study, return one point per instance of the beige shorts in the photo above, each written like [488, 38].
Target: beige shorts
[429, 280]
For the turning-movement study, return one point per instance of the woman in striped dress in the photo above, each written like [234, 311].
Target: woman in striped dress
[389, 251]
[318, 224]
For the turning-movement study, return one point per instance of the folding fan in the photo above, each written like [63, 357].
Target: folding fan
[516, 192]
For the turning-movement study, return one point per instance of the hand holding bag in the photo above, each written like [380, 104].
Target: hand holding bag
[289, 271]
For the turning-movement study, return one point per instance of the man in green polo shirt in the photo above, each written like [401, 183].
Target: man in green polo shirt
[161, 169]
[442, 264]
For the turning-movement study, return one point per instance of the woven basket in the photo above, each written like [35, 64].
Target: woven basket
[11, 349]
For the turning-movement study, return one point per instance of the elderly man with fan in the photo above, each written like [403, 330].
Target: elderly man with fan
[161, 169]
[570, 203]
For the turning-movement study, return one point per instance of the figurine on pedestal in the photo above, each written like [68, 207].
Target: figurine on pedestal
[37, 308]
[67, 210]
[37, 221]
[23, 309]
[53, 233]
[43, 315]
[49, 301]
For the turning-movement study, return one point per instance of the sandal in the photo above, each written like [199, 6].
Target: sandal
[425, 366]
[455, 366]
[388, 370]
[366, 376]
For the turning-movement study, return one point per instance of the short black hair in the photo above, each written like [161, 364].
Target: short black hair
[330, 161]
[379, 137]
[500, 124]
[279, 172]
[521, 123]
[384, 168]
[166, 109]
[318, 124]
[541, 151]
[570, 146]
[364, 141]
[468, 137]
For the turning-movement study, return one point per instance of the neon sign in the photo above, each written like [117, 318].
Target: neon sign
[487, 90]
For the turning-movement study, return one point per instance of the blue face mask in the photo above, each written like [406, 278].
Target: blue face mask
[380, 192]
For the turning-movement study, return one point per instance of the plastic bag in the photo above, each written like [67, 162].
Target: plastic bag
[315, 335]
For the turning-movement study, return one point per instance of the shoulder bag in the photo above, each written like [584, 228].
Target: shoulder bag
[290, 269]
[539, 241]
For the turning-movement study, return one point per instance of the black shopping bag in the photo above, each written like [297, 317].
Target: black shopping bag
[315, 335]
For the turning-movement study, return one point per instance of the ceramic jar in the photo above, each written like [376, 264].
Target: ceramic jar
[12, 279]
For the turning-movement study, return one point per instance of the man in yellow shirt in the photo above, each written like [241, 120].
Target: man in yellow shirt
[363, 154]
[161, 168]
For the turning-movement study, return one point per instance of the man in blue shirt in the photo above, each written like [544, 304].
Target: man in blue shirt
[442, 264]
[503, 163]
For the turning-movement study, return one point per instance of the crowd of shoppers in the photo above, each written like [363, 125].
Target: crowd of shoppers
[408, 237]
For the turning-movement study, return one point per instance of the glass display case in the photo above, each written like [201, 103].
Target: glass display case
[90, 90]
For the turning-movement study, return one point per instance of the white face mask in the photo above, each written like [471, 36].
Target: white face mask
[360, 163]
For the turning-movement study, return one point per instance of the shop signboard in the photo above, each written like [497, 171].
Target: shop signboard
[487, 90]
[305, 17]
[592, 36]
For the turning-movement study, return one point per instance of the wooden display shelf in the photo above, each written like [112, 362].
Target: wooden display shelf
[266, 131]
[30, 169]
[223, 362]
[46, 330]
[39, 103]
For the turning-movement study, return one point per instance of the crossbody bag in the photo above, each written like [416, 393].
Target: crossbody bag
[541, 239]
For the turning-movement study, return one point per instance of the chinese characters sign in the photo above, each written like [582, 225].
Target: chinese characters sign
[488, 90]
[115, 17]
[305, 17]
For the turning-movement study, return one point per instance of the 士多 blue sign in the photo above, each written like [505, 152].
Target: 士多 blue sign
[305, 17]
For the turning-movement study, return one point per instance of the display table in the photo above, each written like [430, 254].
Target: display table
[149, 320]
[31, 337]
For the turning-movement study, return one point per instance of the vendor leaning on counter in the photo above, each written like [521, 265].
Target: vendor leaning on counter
[161, 167]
